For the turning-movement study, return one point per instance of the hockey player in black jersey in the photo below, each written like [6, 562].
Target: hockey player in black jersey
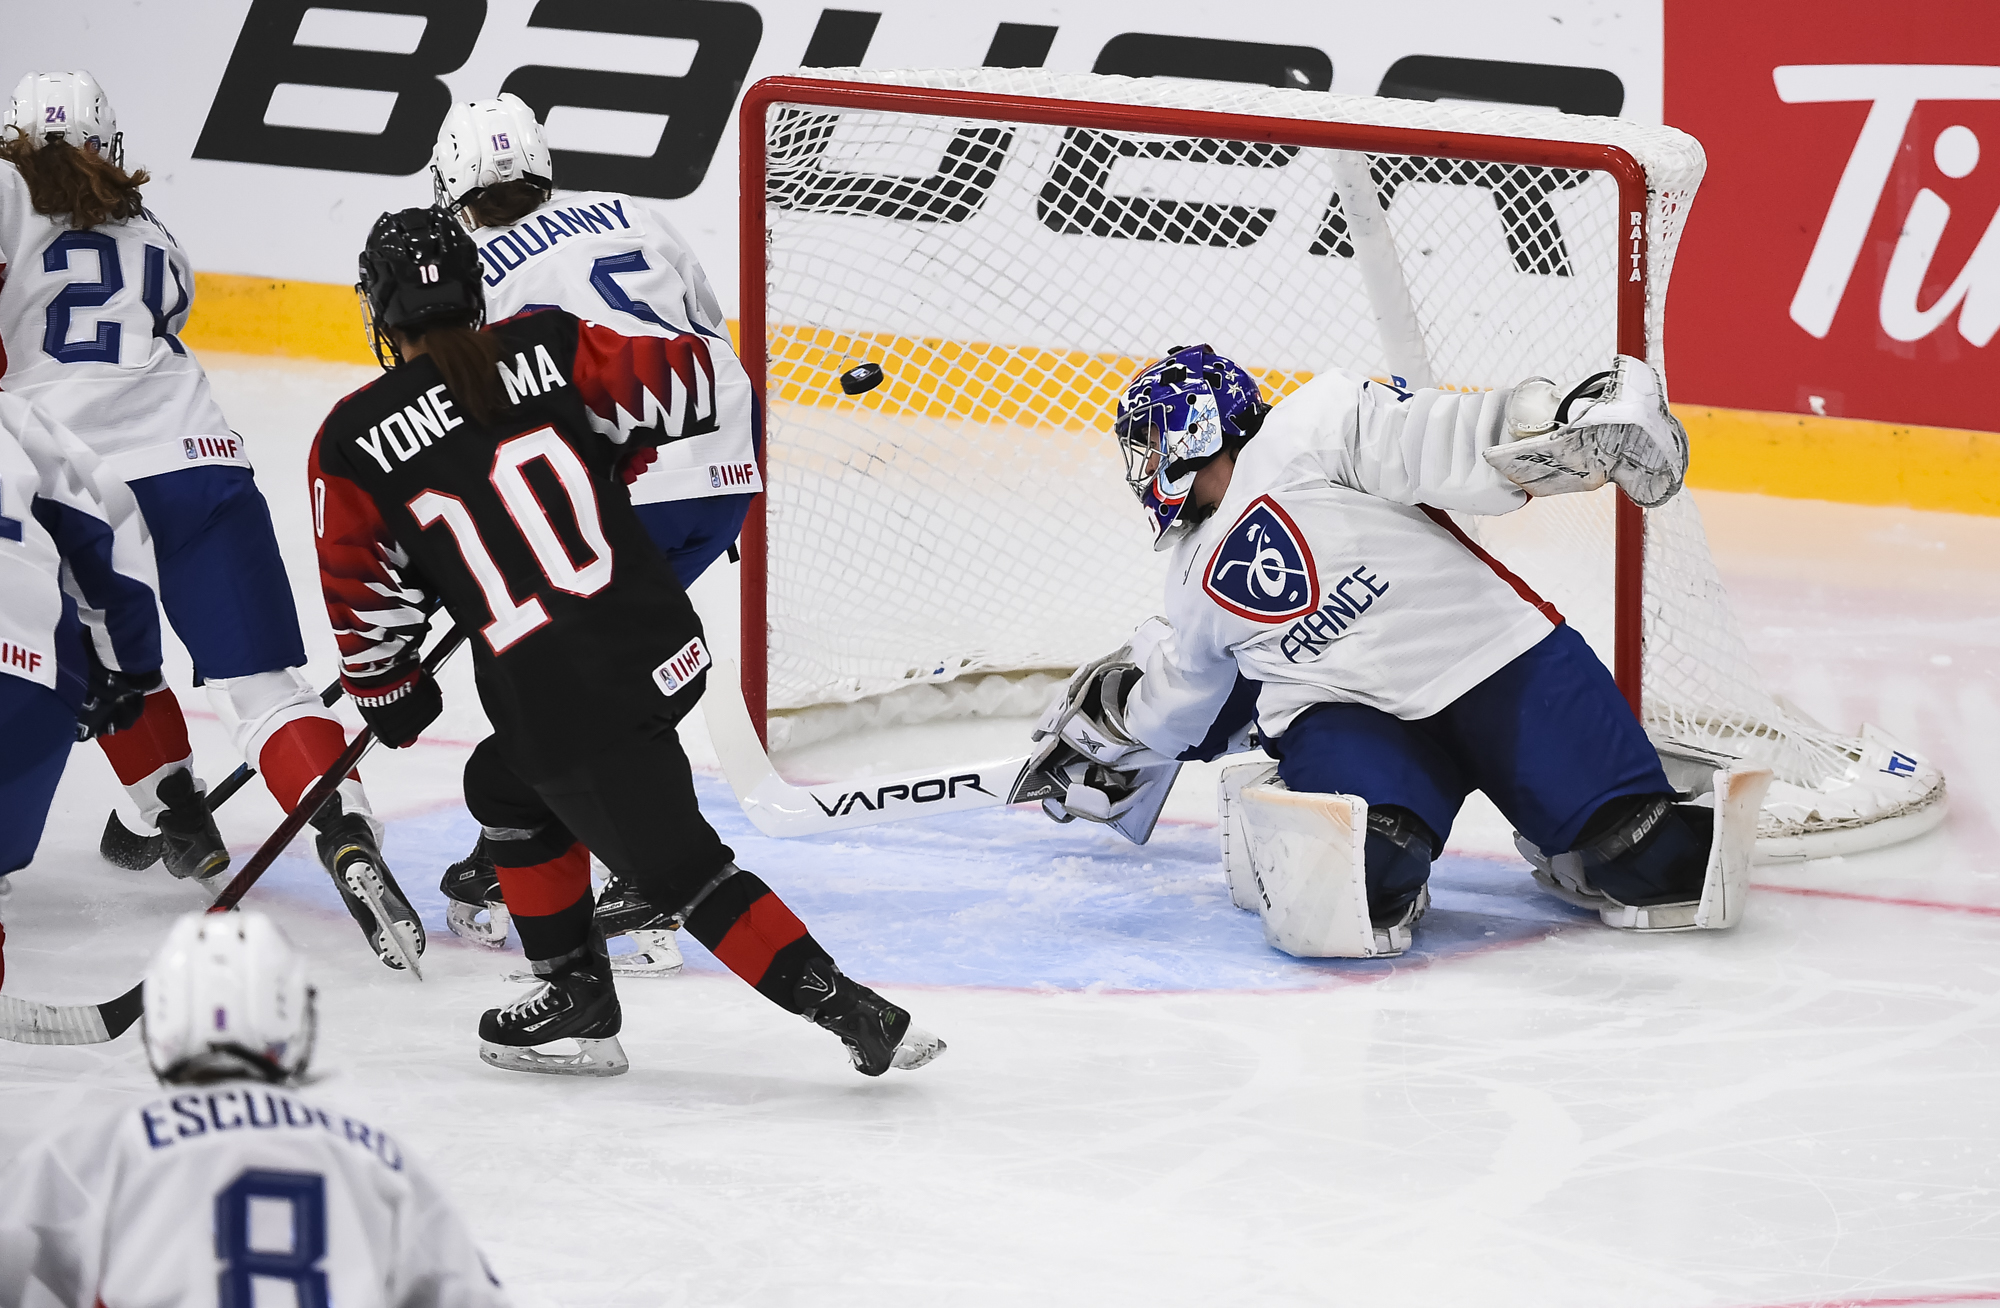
[484, 472]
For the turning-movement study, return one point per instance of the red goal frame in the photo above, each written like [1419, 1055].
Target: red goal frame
[751, 125]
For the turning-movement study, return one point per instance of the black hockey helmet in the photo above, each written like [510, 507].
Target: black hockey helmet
[418, 270]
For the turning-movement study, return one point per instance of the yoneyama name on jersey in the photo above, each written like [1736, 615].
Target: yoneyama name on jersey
[404, 433]
[412, 428]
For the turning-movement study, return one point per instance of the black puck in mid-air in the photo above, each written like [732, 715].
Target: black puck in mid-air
[861, 378]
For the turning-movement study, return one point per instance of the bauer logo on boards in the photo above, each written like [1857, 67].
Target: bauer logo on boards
[1262, 570]
[679, 670]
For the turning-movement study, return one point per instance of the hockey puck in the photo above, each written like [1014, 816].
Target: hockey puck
[861, 378]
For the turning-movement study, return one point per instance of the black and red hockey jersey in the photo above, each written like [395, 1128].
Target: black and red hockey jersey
[522, 529]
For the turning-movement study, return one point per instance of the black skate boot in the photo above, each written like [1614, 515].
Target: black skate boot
[348, 851]
[878, 1035]
[655, 949]
[189, 843]
[576, 1000]
[472, 887]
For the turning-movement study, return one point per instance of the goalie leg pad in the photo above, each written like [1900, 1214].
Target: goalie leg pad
[1313, 858]
[1235, 836]
[1661, 866]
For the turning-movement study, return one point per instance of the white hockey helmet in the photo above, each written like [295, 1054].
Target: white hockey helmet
[485, 143]
[69, 107]
[227, 997]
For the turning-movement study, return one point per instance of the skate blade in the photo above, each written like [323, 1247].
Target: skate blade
[604, 1057]
[656, 953]
[463, 919]
[402, 942]
[916, 1048]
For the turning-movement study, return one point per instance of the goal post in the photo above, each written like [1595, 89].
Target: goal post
[1012, 244]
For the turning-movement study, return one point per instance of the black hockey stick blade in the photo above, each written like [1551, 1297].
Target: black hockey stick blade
[123, 847]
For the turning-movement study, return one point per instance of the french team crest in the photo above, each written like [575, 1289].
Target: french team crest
[1262, 570]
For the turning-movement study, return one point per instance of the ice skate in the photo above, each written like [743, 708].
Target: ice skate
[656, 949]
[190, 844]
[471, 887]
[578, 1001]
[878, 1035]
[348, 850]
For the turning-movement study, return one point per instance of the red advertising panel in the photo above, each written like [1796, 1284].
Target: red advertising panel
[1844, 255]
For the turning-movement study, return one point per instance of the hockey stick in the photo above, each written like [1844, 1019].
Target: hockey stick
[123, 847]
[776, 807]
[90, 1024]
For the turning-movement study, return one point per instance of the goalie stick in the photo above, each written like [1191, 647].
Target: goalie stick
[25, 1022]
[776, 807]
[123, 847]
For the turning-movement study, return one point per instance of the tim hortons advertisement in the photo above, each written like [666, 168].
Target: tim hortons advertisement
[1843, 258]
[277, 129]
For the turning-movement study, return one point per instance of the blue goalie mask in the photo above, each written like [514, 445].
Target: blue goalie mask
[1175, 417]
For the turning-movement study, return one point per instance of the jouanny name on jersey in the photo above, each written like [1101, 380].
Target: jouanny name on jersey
[511, 249]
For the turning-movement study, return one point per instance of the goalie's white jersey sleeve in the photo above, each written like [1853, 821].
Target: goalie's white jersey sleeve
[225, 1196]
[610, 260]
[73, 545]
[1330, 572]
[89, 326]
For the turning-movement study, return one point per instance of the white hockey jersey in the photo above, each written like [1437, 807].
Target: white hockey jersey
[1330, 573]
[609, 260]
[230, 1196]
[73, 545]
[89, 324]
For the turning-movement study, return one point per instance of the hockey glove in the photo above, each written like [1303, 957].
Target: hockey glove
[115, 700]
[1615, 427]
[399, 712]
[1090, 717]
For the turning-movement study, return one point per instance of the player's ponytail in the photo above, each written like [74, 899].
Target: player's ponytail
[81, 183]
[469, 362]
[506, 203]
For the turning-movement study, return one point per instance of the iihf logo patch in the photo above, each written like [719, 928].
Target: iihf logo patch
[1263, 570]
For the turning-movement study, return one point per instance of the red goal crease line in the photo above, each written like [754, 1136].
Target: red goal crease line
[938, 103]
[1811, 892]
[1896, 1301]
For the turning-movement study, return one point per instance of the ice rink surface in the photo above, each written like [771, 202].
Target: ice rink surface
[1142, 1103]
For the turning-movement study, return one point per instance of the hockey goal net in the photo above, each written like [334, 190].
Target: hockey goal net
[1011, 245]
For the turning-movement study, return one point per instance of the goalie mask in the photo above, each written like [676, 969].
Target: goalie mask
[227, 997]
[485, 143]
[67, 107]
[418, 270]
[1173, 419]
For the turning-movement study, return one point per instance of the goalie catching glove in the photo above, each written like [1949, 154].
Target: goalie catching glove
[1614, 426]
[1088, 765]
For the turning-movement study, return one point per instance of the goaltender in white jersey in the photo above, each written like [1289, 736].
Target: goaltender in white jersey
[1392, 667]
[231, 1187]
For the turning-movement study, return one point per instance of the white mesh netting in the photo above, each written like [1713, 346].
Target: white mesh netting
[968, 516]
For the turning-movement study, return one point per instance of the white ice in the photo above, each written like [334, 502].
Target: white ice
[1142, 1103]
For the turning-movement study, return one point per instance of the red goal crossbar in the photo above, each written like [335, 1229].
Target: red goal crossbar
[932, 103]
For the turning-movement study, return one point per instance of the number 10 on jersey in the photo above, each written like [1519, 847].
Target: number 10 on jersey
[513, 620]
